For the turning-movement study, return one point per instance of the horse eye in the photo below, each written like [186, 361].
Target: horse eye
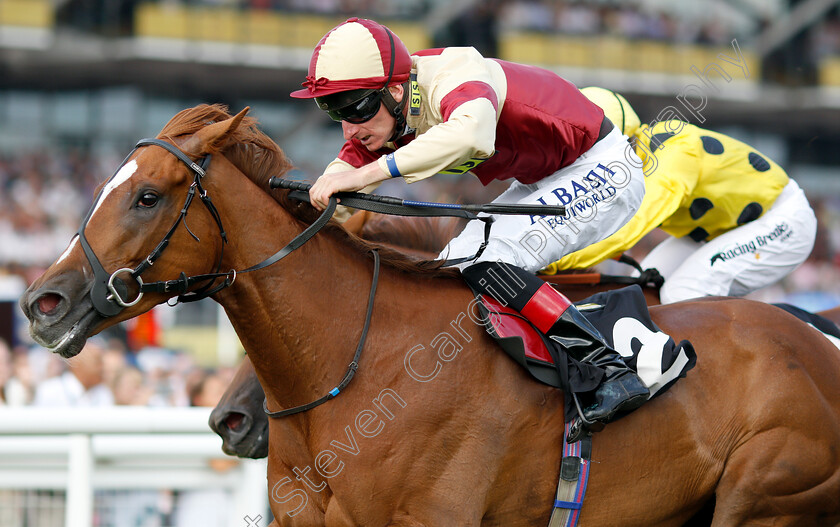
[148, 199]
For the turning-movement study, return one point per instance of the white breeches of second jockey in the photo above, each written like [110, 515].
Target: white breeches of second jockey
[601, 191]
[742, 260]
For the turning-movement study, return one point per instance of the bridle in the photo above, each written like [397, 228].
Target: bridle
[109, 292]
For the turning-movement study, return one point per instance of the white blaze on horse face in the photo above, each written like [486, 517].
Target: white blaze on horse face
[119, 178]
[68, 249]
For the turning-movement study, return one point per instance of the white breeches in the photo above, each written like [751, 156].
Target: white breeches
[601, 190]
[742, 260]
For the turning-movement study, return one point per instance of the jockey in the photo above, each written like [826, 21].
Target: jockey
[737, 221]
[452, 111]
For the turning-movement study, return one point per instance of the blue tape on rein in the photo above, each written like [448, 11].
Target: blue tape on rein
[334, 391]
[427, 204]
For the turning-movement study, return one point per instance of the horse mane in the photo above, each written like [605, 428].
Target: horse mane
[248, 148]
[421, 233]
[258, 157]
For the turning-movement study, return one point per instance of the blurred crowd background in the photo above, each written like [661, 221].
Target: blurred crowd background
[82, 80]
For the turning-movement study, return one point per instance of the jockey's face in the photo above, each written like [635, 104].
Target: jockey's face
[373, 134]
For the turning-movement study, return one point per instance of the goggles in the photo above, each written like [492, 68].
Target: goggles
[360, 111]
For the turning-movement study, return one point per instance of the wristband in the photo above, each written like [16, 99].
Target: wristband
[392, 165]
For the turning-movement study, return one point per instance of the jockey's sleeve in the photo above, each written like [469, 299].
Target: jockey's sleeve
[666, 189]
[468, 132]
[342, 212]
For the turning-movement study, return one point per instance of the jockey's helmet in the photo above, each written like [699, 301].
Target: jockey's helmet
[616, 108]
[351, 69]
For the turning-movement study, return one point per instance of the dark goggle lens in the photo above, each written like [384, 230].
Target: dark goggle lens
[358, 112]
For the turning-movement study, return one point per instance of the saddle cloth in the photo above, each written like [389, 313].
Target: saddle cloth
[821, 323]
[622, 318]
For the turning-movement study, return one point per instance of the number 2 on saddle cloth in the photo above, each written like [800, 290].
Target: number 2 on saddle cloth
[623, 319]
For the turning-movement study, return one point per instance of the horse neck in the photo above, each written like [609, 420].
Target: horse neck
[297, 319]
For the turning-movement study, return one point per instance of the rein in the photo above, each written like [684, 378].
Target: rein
[351, 368]
[401, 207]
[405, 207]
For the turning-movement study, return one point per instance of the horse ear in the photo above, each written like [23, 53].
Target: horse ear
[212, 138]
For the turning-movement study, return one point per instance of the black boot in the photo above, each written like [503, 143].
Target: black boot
[621, 390]
[552, 313]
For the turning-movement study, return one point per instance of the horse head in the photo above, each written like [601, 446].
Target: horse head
[239, 418]
[117, 267]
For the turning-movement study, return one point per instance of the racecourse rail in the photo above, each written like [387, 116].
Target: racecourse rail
[82, 449]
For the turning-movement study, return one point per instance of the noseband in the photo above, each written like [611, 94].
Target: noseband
[109, 293]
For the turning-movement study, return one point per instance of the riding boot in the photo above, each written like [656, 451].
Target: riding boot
[621, 390]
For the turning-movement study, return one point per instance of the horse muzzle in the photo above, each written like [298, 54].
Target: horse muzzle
[241, 435]
[57, 320]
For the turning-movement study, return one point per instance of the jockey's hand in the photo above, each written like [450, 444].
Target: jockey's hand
[345, 181]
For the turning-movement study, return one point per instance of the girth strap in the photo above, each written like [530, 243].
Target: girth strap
[571, 486]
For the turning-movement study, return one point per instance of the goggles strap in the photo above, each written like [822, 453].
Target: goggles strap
[396, 108]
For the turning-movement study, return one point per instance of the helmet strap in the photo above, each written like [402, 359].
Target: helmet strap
[396, 109]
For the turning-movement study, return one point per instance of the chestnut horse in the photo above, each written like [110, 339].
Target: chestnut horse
[438, 427]
[239, 418]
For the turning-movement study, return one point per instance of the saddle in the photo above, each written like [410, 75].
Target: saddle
[623, 319]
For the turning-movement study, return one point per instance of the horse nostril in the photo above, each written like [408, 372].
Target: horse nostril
[48, 302]
[234, 420]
